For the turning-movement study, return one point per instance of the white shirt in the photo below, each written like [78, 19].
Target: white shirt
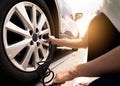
[111, 8]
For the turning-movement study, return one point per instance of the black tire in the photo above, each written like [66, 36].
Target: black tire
[13, 65]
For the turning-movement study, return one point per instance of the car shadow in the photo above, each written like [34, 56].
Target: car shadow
[59, 54]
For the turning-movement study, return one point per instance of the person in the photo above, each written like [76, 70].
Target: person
[103, 41]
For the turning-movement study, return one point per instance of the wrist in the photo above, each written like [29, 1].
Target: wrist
[54, 40]
[72, 73]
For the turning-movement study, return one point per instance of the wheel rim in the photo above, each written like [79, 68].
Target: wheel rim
[24, 36]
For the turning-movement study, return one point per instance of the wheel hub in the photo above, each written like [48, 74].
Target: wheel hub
[35, 37]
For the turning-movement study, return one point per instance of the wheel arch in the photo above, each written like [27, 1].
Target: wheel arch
[55, 15]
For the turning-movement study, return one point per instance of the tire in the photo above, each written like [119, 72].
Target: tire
[23, 38]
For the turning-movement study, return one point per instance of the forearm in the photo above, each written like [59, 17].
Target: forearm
[105, 64]
[73, 43]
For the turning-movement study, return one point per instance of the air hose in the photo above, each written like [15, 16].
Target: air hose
[44, 71]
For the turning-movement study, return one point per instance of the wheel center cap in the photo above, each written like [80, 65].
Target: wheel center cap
[35, 37]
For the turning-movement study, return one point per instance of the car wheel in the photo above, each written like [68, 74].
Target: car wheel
[24, 27]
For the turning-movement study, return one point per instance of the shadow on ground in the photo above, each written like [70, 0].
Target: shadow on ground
[60, 53]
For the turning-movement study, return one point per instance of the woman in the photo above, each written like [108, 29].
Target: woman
[103, 41]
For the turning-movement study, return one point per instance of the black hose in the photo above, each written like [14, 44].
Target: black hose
[43, 72]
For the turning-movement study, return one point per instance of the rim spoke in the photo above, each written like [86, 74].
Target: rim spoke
[46, 44]
[41, 21]
[34, 16]
[36, 54]
[16, 48]
[21, 10]
[44, 52]
[43, 32]
[14, 28]
[28, 56]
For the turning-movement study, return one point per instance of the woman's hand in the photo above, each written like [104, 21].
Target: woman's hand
[52, 39]
[62, 77]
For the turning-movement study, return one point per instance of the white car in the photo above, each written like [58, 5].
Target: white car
[24, 29]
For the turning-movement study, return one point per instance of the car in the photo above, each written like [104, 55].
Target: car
[24, 29]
